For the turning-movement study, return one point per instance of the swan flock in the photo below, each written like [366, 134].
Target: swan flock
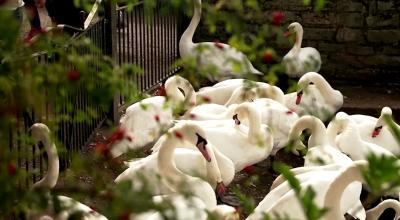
[241, 123]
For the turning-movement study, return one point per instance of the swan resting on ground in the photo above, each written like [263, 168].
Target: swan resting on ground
[299, 61]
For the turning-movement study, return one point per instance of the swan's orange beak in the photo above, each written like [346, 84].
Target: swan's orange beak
[220, 189]
[376, 131]
[287, 33]
[201, 145]
[298, 98]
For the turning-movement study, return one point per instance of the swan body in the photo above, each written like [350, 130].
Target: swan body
[215, 54]
[189, 161]
[315, 97]
[350, 141]
[146, 120]
[282, 199]
[299, 61]
[200, 191]
[41, 132]
[235, 90]
[243, 145]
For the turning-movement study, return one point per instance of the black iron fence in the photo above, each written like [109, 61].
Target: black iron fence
[130, 38]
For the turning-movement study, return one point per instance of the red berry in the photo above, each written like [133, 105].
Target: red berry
[73, 75]
[157, 118]
[248, 169]
[267, 56]
[118, 135]
[218, 44]
[11, 168]
[206, 99]
[277, 17]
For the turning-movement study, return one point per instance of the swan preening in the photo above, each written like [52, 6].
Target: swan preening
[314, 97]
[298, 60]
[222, 56]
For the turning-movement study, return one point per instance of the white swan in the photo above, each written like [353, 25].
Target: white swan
[222, 56]
[299, 61]
[243, 145]
[334, 195]
[282, 199]
[374, 213]
[189, 161]
[179, 182]
[315, 97]
[222, 92]
[40, 132]
[146, 120]
[350, 141]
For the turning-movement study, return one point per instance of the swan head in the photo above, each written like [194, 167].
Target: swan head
[225, 212]
[244, 110]
[295, 27]
[386, 113]
[40, 132]
[195, 135]
[307, 79]
[272, 92]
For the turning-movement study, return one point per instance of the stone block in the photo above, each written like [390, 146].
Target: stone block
[385, 5]
[349, 35]
[381, 61]
[359, 50]
[391, 50]
[349, 6]
[319, 19]
[350, 19]
[389, 20]
[383, 36]
[319, 33]
[330, 47]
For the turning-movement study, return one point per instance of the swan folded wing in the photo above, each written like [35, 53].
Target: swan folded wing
[72, 206]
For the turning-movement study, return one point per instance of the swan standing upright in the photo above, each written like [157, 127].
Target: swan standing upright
[146, 120]
[299, 61]
[216, 54]
[315, 97]
[40, 132]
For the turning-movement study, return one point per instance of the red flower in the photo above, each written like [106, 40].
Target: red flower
[102, 149]
[248, 169]
[73, 75]
[218, 44]
[178, 134]
[267, 56]
[118, 135]
[11, 168]
[277, 17]
[161, 91]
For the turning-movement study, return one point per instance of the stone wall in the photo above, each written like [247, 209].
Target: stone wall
[357, 39]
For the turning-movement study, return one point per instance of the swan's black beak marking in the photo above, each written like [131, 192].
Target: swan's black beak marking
[237, 121]
[377, 131]
[201, 145]
[299, 95]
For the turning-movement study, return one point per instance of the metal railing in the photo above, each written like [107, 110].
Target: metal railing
[151, 44]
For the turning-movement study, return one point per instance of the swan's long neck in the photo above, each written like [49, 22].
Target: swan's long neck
[337, 187]
[49, 180]
[334, 128]
[254, 124]
[317, 128]
[167, 166]
[374, 213]
[299, 39]
[213, 171]
[186, 41]
[331, 96]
